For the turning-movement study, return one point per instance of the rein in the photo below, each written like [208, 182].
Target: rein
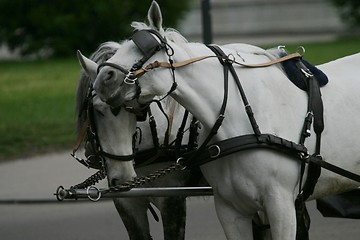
[151, 66]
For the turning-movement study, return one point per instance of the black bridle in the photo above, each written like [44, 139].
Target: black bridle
[93, 149]
[148, 42]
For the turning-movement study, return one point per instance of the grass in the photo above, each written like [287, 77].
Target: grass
[37, 98]
[37, 106]
[322, 52]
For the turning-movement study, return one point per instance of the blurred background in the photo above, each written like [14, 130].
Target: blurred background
[38, 78]
[39, 39]
[57, 28]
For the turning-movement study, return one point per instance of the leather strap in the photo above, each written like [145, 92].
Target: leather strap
[157, 64]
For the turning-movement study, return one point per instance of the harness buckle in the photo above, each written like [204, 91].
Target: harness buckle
[130, 79]
[306, 73]
[304, 156]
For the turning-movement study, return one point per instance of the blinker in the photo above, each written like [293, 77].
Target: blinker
[147, 44]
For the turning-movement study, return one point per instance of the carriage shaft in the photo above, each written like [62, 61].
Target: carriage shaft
[93, 193]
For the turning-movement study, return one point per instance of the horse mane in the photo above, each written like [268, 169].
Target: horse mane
[103, 53]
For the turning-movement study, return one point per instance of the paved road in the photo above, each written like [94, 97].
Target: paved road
[37, 178]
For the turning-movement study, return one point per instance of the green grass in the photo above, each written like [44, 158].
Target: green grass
[322, 52]
[37, 98]
[37, 106]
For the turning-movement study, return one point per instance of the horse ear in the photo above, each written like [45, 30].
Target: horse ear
[155, 16]
[88, 65]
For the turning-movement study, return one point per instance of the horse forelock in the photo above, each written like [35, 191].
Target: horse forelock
[103, 53]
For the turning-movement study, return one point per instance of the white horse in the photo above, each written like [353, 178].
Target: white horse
[256, 179]
[115, 133]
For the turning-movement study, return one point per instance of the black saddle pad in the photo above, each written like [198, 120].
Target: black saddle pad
[345, 205]
[296, 76]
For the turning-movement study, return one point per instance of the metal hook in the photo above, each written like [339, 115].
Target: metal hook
[301, 50]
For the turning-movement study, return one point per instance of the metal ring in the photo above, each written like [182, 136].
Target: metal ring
[179, 162]
[301, 50]
[130, 78]
[60, 194]
[98, 193]
[216, 148]
[130, 81]
[231, 58]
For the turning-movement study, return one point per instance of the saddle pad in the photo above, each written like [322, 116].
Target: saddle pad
[344, 205]
[297, 77]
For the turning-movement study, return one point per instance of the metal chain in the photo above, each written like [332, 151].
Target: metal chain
[138, 181]
[92, 180]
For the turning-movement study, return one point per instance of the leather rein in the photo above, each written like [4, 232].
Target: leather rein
[133, 74]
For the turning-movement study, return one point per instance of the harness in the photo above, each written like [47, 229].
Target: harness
[149, 42]
[95, 156]
[315, 107]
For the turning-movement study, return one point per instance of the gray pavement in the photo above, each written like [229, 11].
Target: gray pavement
[38, 177]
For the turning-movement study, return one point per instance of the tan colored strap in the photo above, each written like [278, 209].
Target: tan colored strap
[81, 135]
[171, 120]
[157, 64]
[267, 64]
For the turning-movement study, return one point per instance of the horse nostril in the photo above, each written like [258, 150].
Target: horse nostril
[110, 75]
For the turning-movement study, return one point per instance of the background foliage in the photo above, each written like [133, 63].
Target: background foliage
[349, 10]
[37, 98]
[63, 26]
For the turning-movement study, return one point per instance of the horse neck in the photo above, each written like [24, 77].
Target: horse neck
[201, 90]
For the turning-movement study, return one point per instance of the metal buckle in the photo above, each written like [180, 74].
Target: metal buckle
[306, 72]
[129, 79]
[214, 151]
[304, 156]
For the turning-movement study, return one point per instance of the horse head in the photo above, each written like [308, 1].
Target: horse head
[122, 79]
[106, 127]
